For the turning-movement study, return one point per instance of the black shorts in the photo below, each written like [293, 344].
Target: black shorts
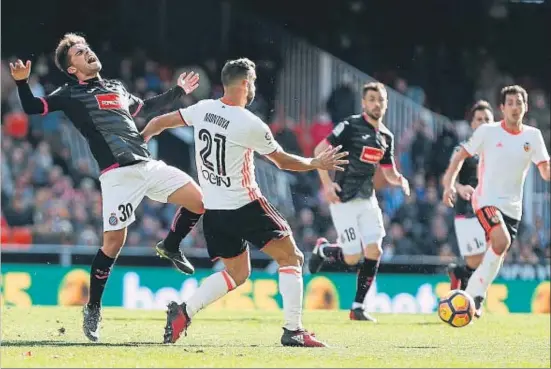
[228, 231]
[491, 217]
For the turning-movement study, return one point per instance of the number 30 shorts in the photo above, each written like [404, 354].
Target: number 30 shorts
[124, 188]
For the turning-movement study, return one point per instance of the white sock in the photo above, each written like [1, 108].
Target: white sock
[213, 287]
[485, 274]
[290, 287]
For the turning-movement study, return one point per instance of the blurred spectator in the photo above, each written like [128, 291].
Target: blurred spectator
[342, 102]
[287, 138]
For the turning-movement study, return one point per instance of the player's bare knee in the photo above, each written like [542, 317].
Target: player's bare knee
[501, 244]
[190, 197]
[501, 240]
[298, 257]
[353, 259]
[294, 257]
[373, 251]
[240, 275]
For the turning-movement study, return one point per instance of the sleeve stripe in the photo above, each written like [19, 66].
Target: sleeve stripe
[45, 104]
[182, 117]
[138, 109]
[387, 165]
[542, 162]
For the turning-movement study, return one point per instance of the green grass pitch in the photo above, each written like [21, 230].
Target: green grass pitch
[52, 337]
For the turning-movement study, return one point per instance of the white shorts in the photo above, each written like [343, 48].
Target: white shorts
[123, 189]
[358, 222]
[470, 236]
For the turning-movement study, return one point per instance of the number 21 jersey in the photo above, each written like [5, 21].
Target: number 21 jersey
[226, 137]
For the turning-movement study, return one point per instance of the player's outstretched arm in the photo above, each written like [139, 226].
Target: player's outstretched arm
[329, 159]
[449, 178]
[159, 124]
[187, 83]
[32, 105]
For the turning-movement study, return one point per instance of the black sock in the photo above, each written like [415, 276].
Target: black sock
[99, 273]
[183, 222]
[464, 272]
[366, 276]
[332, 253]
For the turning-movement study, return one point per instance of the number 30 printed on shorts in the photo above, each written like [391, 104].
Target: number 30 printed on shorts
[126, 211]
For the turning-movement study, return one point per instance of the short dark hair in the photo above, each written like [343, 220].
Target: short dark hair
[513, 90]
[374, 86]
[62, 49]
[236, 69]
[480, 105]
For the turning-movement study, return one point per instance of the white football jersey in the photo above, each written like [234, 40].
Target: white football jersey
[225, 140]
[504, 162]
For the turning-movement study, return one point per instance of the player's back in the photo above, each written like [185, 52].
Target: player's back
[226, 137]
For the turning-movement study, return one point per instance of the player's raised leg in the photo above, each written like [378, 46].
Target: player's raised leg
[290, 259]
[168, 184]
[190, 199]
[500, 230]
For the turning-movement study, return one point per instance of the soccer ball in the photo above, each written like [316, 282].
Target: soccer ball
[456, 308]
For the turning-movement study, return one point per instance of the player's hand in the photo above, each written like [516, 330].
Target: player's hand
[448, 198]
[466, 191]
[188, 82]
[149, 130]
[20, 71]
[330, 159]
[330, 193]
[404, 183]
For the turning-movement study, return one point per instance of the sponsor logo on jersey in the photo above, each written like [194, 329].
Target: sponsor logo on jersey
[216, 179]
[109, 101]
[371, 155]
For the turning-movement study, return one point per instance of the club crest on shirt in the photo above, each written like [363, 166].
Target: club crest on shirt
[527, 146]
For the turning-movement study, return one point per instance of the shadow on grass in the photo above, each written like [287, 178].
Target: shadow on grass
[45, 343]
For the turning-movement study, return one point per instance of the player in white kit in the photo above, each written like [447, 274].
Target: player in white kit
[226, 137]
[505, 150]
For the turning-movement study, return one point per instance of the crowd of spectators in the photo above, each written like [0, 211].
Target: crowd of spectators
[48, 196]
